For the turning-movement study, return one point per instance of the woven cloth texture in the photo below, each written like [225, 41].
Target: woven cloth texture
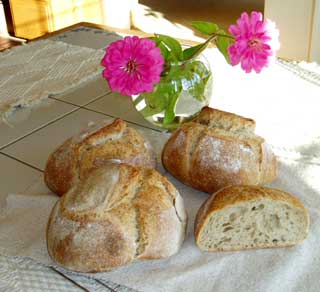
[34, 71]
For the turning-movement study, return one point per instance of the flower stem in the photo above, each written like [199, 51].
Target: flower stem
[199, 48]
[138, 99]
[224, 35]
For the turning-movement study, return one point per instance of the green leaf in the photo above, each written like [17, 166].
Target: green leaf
[158, 100]
[161, 46]
[192, 76]
[173, 81]
[155, 39]
[196, 50]
[171, 109]
[205, 27]
[149, 111]
[193, 51]
[198, 76]
[173, 45]
[164, 51]
[222, 44]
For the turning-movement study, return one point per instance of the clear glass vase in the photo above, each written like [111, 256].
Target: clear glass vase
[184, 89]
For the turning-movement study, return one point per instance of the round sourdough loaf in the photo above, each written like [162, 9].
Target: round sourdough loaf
[247, 217]
[218, 149]
[98, 145]
[118, 215]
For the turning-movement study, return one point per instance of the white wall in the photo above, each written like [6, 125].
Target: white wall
[315, 35]
[3, 24]
[294, 18]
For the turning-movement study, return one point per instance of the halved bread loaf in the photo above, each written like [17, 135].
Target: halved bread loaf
[246, 217]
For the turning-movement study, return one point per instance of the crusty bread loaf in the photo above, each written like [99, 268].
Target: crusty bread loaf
[98, 145]
[218, 149]
[246, 217]
[118, 215]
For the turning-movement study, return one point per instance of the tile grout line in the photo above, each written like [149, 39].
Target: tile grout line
[99, 112]
[81, 106]
[39, 128]
[21, 161]
[143, 126]
[61, 117]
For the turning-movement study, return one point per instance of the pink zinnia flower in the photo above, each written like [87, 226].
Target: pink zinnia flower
[133, 65]
[255, 42]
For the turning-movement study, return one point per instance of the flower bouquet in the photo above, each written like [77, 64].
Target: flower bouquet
[170, 84]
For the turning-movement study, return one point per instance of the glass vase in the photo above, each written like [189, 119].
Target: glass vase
[184, 89]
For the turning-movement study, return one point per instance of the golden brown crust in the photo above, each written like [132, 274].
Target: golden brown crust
[119, 214]
[218, 149]
[83, 250]
[240, 194]
[57, 180]
[220, 119]
[269, 165]
[97, 146]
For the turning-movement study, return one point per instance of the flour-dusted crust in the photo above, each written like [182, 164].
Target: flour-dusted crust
[96, 146]
[218, 149]
[227, 202]
[118, 215]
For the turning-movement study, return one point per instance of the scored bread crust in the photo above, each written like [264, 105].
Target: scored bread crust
[217, 149]
[233, 195]
[96, 146]
[118, 215]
